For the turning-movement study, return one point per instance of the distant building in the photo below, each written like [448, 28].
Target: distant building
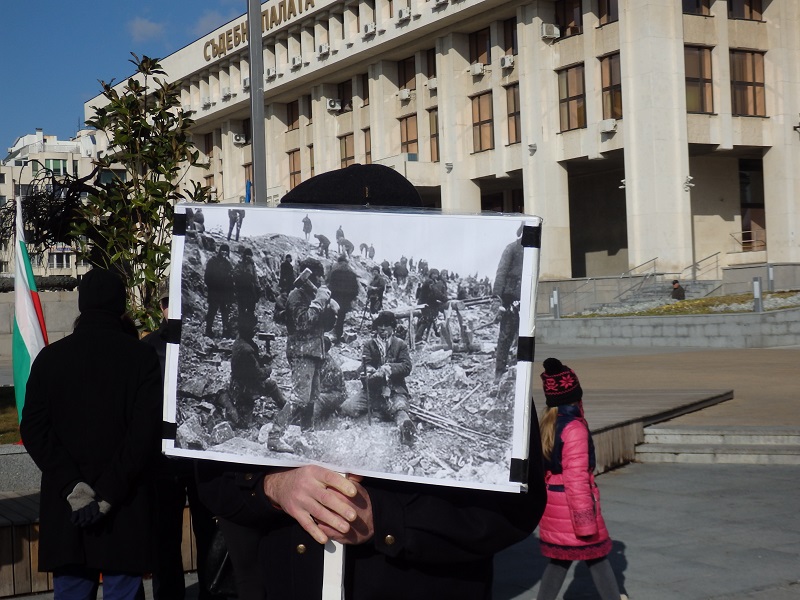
[26, 159]
[642, 131]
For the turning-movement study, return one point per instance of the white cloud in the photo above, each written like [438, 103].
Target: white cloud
[142, 30]
[211, 20]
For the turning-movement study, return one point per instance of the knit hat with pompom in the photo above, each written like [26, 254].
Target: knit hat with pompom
[560, 384]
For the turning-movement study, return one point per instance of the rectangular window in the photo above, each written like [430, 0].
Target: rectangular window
[747, 84]
[433, 121]
[247, 130]
[696, 7]
[514, 124]
[571, 98]
[208, 145]
[480, 47]
[56, 165]
[4, 266]
[745, 9]
[345, 93]
[407, 74]
[294, 168]
[367, 146]
[510, 37]
[2, 177]
[347, 150]
[311, 158]
[408, 135]
[482, 123]
[569, 17]
[307, 106]
[609, 11]
[3, 200]
[430, 59]
[58, 260]
[292, 115]
[365, 89]
[612, 87]
[699, 95]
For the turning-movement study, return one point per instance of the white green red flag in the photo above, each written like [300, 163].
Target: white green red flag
[30, 334]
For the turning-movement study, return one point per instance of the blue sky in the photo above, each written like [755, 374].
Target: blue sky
[55, 51]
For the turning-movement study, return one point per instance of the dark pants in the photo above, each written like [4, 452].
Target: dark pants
[344, 308]
[175, 483]
[81, 583]
[242, 543]
[218, 303]
[509, 330]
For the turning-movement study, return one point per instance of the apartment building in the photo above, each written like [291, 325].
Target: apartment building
[644, 132]
[27, 162]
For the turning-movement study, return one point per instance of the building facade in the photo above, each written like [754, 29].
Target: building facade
[26, 162]
[644, 132]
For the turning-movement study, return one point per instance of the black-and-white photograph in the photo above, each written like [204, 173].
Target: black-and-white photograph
[372, 342]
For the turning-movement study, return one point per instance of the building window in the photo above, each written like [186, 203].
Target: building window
[510, 37]
[480, 47]
[56, 165]
[747, 84]
[433, 121]
[407, 74]
[482, 123]
[514, 125]
[699, 96]
[58, 260]
[4, 266]
[391, 8]
[248, 172]
[294, 168]
[367, 146]
[612, 87]
[745, 9]
[430, 59]
[751, 199]
[571, 98]
[208, 145]
[293, 115]
[696, 7]
[569, 17]
[609, 11]
[345, 93]
[247, 130]
[2, 177]
[347, 150]
[309, 108]
[311, 158]
[365, 89]
[408, 135]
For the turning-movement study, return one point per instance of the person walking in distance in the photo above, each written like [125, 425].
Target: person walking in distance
[307, 228]
[572, 527]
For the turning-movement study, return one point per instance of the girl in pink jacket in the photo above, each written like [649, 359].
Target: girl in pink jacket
[572, 527]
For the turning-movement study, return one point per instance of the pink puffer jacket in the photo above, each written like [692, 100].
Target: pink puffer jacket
[572, 527]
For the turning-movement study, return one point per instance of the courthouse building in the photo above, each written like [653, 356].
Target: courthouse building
[644, 132]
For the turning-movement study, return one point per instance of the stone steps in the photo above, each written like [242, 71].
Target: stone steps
[731, 445]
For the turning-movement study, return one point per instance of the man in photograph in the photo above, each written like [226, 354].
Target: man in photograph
[235, 218]
[324, 244]
[245, 282]
[387, 363]
[432, 294]
[507, 286]
[310, 313]
[219, 285]
[343, 283]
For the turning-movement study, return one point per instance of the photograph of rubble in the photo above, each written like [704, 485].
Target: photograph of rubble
[373, 342]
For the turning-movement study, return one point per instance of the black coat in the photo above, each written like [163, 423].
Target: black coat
[93, 413]
[444, 539]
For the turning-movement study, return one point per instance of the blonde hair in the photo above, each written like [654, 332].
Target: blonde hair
[547, 429]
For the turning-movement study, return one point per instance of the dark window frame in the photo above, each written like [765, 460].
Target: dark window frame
[703, 83]
[611, 86]
[481, 123]
[567, 98]
[751, 90]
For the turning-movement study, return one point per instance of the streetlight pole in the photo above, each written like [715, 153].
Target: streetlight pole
[258, 142]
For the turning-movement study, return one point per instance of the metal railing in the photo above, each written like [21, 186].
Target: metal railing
[750, 241]
[647, 274]
[702, 268]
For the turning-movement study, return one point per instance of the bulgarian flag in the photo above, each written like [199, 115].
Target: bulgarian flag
[30, 334]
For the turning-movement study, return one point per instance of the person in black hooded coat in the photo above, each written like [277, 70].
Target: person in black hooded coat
[92, 424]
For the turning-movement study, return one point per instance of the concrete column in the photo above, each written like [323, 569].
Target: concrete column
[545, 181]
[781, 162]
[385, 132]
[459, 192]
[656, 142]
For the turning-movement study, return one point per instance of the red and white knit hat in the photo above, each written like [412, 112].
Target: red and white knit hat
[560, 384]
